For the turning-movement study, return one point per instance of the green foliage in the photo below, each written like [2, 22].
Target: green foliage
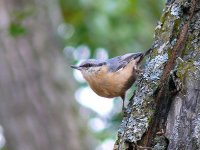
[119, 26]
[104, 135]
[16, 29]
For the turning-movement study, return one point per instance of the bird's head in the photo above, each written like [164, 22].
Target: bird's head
[90, 66]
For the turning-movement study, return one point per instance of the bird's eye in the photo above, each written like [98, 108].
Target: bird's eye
[87, 65]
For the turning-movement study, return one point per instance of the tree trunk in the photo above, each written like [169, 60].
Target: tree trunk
[37, 108]
[164, 112]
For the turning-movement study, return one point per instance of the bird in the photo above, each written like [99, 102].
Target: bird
[112, 77]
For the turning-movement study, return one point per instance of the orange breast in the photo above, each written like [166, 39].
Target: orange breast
[112, 84]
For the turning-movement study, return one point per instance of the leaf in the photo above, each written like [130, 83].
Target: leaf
[16, 29]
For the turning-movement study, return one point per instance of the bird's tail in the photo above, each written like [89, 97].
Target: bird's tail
[148, 51]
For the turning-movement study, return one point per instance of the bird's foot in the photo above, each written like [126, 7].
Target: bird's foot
[124, 111]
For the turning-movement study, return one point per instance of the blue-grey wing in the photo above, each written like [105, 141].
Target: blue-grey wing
[119, 62]
[116, 63]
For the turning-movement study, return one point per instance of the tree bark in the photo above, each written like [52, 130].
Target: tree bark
[37, 109]
[164, 112]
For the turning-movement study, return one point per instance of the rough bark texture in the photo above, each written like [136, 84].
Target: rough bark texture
[36, 105]
[164, 112]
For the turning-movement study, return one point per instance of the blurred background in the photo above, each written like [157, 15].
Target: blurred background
[44, 104]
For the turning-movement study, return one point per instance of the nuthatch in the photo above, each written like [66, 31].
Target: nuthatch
[113, 77]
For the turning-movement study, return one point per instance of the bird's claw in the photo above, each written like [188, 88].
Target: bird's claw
[124, 111]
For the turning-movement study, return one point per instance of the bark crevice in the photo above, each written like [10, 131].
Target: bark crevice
[164, 78]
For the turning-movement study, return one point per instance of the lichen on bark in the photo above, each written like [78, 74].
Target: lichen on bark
[177, 35]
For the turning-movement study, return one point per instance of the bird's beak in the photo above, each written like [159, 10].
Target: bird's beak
[75, 67]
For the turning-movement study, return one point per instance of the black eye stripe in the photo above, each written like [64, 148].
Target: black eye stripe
[93, 65]
[101, 64]
[86, 65]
